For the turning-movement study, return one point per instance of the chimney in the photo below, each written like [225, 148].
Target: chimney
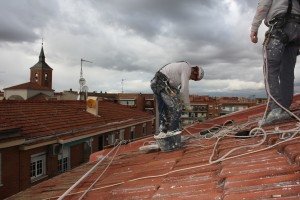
[92, 105]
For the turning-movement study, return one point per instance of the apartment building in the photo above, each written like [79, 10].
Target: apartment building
[41, 139]
[42, 134]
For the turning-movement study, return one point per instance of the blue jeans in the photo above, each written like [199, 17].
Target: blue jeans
[281, 60]
[166, 104]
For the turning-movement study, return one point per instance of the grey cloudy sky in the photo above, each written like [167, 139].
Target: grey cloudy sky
[131, 40]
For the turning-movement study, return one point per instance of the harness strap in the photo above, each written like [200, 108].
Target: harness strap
[289, 10]
[281, 19]
[175, 62]
[161, 74]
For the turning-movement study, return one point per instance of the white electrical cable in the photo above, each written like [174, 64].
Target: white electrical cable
[295, 130]
[194, 167]
[86, 191]
[265, 70]
[83, 177]
[238, 148]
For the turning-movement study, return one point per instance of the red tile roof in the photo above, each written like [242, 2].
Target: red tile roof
[29, 86]
[6, 124]
[220, 167]
[9, 132]
[65, 119]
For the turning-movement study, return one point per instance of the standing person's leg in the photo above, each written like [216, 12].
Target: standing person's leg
[157, 87]
[163, 114]
[274, 52]
[288, 63]
[281, 61]
[275, 49]
[175, 118]
[175, 108]
[287, 75]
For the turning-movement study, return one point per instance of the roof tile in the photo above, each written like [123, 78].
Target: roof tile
[45, 118]
[239, 169]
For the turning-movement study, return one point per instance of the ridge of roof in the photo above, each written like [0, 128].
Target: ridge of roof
[29, 86]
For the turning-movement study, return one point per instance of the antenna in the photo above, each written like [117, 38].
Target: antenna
[81, 79]
[123, 84]
[82, 60]
[85, 90]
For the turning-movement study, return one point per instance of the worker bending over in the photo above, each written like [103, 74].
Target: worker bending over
[171, 88]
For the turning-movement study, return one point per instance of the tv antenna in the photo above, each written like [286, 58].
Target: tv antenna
[81, 79]
[123, 84]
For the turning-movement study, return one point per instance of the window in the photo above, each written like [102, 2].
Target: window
[149, 103]
[64, 160]
[191, 114]
[132, 133]
[127, 102]
[46, 77]
[144, 129]
[36, 77]
[63, 165]
[121, 136]
[111, 138]
[38, 166]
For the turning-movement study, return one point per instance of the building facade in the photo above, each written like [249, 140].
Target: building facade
[41, 139]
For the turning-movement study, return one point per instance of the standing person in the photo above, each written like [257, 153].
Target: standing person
[281, 45]
[171, 88]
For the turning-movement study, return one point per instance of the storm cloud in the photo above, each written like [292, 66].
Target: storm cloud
[131, 40]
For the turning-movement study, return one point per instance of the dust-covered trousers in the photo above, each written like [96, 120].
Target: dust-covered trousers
[281, 61]
[168, 104]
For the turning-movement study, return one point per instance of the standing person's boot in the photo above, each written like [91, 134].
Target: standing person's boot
[276, 115]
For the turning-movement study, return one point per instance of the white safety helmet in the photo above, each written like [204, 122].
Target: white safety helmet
[201, 73]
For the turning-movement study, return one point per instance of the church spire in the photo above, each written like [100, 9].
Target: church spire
[42, 55]
[41, 72]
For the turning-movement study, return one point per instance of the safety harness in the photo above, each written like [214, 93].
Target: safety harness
[277, 24]
[161, 77]
[164, 82]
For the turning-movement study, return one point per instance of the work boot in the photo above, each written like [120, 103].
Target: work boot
[276, 115]
[160, 135]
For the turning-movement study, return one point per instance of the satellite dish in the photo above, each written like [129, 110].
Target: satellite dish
[91, 103]
[82, 81]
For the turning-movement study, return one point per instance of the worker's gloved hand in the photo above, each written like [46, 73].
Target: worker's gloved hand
[188, 108]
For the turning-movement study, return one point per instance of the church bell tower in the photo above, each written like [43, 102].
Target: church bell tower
[41, 72]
